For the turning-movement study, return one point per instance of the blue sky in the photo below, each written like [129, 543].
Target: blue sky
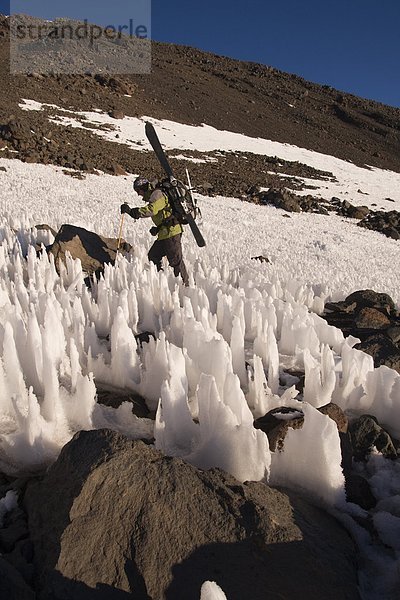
[352, 45]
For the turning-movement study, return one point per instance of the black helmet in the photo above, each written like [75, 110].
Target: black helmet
[141, 184]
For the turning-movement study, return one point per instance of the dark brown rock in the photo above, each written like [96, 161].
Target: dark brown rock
[341, 306]
[261, 258]
[4, 481]
[382, 350]
[276, 428]
[93, 250]
[117, 114]
[121, 87]
[371, 318]
[358, 212]
[45, 227]
[335, 413]
[281, 199]
[144, 337]
[114, 516]
[373, 299]
[114, 398]
[31, 157]
[387, 223]
[367, 433]
[393, 233]
[116, 169]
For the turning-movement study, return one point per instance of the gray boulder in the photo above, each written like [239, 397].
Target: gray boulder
[373, 299]
[383, 351]
[374, 319]
[281, 199]
[367, 433]
[113, 518]
[93, 250]
[276, 428]
[387, 223]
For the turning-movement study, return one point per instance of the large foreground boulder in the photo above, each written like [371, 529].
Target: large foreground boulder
[93, 250]
[114, 519]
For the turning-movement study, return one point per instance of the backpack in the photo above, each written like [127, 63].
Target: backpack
[180, 199]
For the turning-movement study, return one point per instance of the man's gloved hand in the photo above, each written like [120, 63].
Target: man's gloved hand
[134, 212]
[125, 208]
[154, 230]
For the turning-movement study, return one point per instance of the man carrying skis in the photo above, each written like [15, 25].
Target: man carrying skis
[167, 227]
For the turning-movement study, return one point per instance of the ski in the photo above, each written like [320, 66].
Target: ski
[155, 144]
[163, 160]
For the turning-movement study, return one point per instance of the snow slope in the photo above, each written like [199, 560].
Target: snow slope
[362, 186]
[330, 253]
[59, 340]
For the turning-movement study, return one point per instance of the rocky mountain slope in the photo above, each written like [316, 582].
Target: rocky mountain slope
[190, 86]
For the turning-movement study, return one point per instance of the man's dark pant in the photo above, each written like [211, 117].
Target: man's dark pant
[172, 249]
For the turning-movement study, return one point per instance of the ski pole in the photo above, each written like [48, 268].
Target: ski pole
[120, 231]
[189, 183]
[197, 209]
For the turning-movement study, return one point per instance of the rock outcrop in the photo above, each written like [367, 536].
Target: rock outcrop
[373, 318]
[366, 433]
[387, 223]
[93, 250]
[114, 517]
